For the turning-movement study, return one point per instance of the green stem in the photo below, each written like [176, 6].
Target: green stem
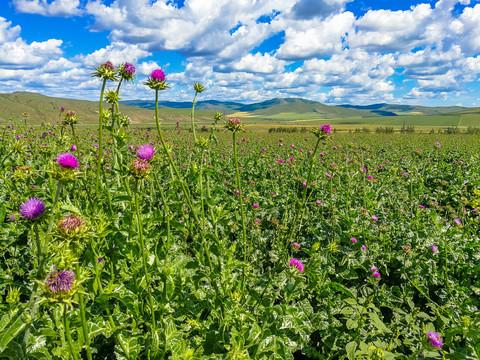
[299, 212]
[144, 255]
[66, 324]
[193, 117]
[81, 303]
[75, 137]
[100, 138]
[242, 214]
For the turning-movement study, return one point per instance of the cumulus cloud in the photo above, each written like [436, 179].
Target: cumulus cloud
[257, 63]
[308, 9]
[53, 8]
[117, 53]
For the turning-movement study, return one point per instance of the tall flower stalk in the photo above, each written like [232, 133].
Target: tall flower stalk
[321, 133]
[105, 72]
[234, 125]
[199, 88]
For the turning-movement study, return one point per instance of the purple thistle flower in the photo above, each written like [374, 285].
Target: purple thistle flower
[353, 240]
[297, 245]
[107, 65]
[129, 68]
[298, 264]
[32, 208]
[67, 160]
[435, 339]
[326, 129]
[374, 218]
[158, 75]
[434, 249]
[60, 281]
[255, 206]
[376, 275]
[458, 222]
[145, 152]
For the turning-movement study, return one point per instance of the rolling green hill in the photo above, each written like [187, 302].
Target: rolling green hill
[290, 111]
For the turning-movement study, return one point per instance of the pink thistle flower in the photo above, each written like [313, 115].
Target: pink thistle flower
[374, 218]
[146, 152]
[304, 184]
[74, 147]
[298, 264]
[318, 202]
[328, 176]
[435, 339]
[373, 268]
[364, 247]
[434, 248]
[326, 129]
[255, 206]
[376, 275]
[458, 222]
[353, 240]
[60, 281]
[297, 245]
[158, 75]
[67, 160]
[32, 208]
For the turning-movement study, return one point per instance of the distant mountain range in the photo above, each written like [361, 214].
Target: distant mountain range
[301, 106]
[283, 110]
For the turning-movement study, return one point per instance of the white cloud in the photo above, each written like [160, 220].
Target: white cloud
[117, 53]
[19, 54]
[53, 8]
[315, 38]
[256, 63]
[7, 32]
[308, 9]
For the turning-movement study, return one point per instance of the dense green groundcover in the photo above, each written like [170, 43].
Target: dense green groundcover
[193, 243]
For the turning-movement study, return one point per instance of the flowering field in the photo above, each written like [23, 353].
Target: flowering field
[211, 244]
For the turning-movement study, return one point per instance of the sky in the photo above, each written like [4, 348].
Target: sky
[333, 51]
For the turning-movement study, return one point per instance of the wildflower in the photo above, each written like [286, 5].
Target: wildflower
[318, 202]
[458, 222]
[297, 245]
[364, 247]
[74, 147]
[257, 221]
[145, 152]
[127, 72]
[438, 145]
[323, 131]
[376, 275]
[298, 264]
[71, 226]
[60, 282]
[374, 218]
[100, 260]
[139, 168]
[435, 339]
[373, 268]
[328, 176]
[353, 240]
[105, 71]
[32, 208]
[434, 249]
[67, 160]
[255, 206]
[156, 81]
[234, 124]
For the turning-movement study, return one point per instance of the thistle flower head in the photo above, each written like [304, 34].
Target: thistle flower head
[323, 132]
[298, 264]
[198, 87]
[139, 168]
[70, 118]
[146, 152]
[32, 209]
[60, 281]
[105, 71]
[234, 124]
[435, 339]
[71, 225]
[112, 97]
[67, 160]
[156, 80]
[127, 72]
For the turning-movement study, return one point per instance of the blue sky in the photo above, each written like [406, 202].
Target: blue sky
[332, 51]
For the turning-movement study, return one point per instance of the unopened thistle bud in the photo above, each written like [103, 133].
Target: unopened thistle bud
[112, 97]
[198, 87]
[105, 71]
[70, 118]
[139, 168]
[234, 124]
[71, 226]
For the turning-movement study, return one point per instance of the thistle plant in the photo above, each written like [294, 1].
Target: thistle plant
[70, 118]
[105, 71]
[199, 88]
